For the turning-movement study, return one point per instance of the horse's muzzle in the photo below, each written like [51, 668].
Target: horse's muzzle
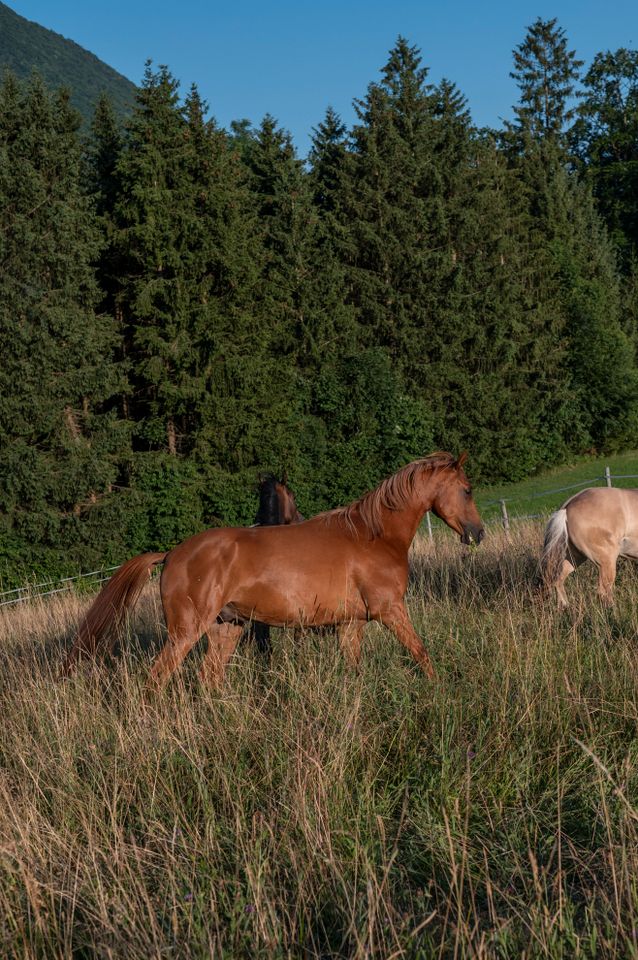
[472, 533]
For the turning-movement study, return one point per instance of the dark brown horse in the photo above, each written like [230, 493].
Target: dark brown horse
[277, 505]
[277, 502]
[344, 567]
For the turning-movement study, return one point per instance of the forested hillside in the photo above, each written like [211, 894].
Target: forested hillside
[182, 306]
[26, 46]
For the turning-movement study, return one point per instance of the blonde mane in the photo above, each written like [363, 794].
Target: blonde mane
[393, 493]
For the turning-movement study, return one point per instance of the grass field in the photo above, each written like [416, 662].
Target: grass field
[311, 811]
[528, 496]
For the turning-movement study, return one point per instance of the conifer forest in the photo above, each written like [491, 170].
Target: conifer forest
[184, 306]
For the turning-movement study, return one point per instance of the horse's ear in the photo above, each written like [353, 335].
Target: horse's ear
[461, 460]
[284, 478]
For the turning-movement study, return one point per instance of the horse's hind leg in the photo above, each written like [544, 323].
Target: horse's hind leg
[222, 640]
[566, 569]
[184, 625]
[606, 578]
[261, 634]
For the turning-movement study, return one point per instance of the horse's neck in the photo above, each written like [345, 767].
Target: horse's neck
[400, 526]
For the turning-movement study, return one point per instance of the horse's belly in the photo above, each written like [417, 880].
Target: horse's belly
[281, 606]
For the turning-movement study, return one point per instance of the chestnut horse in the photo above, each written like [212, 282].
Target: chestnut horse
[344, 567]
[598, 524]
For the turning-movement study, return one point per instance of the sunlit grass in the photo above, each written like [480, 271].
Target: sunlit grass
[312, 811]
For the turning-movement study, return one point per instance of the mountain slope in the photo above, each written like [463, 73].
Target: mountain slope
[25, 46]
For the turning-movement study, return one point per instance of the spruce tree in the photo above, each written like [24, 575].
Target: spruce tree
[493, 352]
[103, 150]
[605, 137]
[327, 158]
[546, 73]
[571, 263]
[153, 215]
[393, 212]
[247, 411]
[61, 446]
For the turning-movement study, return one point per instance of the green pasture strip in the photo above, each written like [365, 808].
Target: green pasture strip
[535, 496]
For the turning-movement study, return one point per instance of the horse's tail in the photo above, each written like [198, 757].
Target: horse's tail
[554, 548]
[106, 613]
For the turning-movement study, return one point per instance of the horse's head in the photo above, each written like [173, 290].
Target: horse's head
[288, 512]
[276, 502]
[454, 505]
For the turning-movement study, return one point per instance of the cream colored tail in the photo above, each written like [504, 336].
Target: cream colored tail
[554, 547]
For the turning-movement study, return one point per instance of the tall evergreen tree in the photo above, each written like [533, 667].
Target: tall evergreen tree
[247, 412]
[154, 213]
[287, 219]
[394, 212]
[104, 147]
[605, 137]
[546, 73]
[494, 352]
[328, 157]
[434, 267]
[60, 447]
[569, 254]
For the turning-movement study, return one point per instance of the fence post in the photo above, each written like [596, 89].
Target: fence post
[429, 523]
[506, 519]
[608, 476]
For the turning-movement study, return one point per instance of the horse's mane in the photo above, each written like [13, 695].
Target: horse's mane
[393, 493]
[268, 512]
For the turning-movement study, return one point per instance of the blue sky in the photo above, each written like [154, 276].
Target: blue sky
[294, 59]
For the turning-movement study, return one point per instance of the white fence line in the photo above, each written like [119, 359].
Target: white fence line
[505, 519]
[27, 591]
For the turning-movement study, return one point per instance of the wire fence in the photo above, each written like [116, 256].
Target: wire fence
[33, 591]
[506, 516]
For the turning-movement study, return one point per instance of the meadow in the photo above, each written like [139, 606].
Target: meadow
[536, 495]
[309, 810]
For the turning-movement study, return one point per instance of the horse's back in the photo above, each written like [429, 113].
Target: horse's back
[286, 550]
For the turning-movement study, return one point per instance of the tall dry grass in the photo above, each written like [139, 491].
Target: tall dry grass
[311, 811]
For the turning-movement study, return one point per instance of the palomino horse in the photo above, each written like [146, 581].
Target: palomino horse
[598, 524]
[344, 567]
[277, 505]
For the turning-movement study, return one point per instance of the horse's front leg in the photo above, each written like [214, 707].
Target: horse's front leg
[396, 619]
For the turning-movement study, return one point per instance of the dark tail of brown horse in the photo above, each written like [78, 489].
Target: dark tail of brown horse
[107, 611]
